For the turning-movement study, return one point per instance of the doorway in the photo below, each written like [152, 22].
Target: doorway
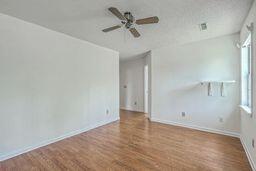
[146, 90]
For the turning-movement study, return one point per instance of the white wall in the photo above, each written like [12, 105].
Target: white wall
[51, 85]
[248, 124]
[132, 76]
[176, 75]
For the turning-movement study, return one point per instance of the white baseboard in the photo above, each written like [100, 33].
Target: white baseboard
[47, 142]
[50, 141]
[200, 128]
[253, 165]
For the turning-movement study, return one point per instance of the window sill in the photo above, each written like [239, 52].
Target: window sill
[246, 109]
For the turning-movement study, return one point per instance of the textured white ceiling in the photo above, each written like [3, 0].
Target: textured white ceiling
[178, 24]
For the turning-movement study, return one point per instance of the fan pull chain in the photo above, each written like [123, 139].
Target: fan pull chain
[124, 34]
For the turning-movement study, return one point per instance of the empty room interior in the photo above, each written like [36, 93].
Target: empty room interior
[136, 85]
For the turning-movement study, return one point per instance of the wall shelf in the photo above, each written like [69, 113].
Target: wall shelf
[220, 82]
[222, 86]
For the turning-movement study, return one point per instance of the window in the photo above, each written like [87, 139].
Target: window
[246, 74]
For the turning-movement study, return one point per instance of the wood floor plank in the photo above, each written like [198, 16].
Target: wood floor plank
[135, 143]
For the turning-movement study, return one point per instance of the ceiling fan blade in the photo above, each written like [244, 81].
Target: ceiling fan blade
[134, 32]
[149, 20]
[117, 13]
[111, 28]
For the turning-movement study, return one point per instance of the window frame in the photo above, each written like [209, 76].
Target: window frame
[247, 79]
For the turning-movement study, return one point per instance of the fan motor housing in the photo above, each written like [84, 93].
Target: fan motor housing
[130, 19]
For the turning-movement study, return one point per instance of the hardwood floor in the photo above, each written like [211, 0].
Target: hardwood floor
[134, 143]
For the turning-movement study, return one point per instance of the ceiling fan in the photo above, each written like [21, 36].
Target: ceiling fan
[128, 21]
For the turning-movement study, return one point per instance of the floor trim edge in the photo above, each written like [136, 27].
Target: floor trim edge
[216, 131]
[50, 141]
[248, 154]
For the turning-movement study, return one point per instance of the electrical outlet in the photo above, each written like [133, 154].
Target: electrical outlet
[221, 119]
[183, 114]
[135, 103]
[253, 143]
[107, 111]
